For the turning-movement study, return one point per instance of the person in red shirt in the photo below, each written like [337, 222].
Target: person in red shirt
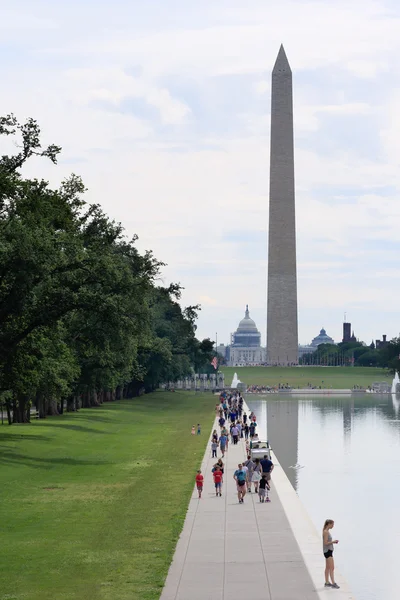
[217, 474]
[199, 482]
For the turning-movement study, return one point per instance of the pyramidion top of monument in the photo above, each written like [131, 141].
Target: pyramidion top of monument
[281, 64]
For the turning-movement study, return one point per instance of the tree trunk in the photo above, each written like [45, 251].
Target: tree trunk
[94, 399]
[15, 411]
[72, 403]
[8, 409]
[86, 400]
[21, 409]
[40, 405]
[52, 408]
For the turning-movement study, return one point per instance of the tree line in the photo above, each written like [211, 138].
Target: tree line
[357, 354]
[83, 319]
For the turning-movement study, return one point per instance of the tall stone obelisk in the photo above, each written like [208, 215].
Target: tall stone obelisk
[282, 337]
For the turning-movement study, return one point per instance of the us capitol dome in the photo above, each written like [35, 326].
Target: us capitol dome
[245, 347]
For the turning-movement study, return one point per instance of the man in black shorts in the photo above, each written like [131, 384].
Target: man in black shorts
[267, 467]
[240, 477]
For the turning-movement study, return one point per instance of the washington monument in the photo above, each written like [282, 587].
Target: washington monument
[282, 338]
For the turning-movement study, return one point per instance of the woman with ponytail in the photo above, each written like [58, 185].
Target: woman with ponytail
[327, 543]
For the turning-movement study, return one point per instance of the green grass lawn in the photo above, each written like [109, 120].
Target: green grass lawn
[92, 503]
[331, 377]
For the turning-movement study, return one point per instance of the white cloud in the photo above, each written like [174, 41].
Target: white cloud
[186, 203]
[114, 85]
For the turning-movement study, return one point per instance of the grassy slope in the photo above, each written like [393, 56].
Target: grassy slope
[334, 377]
[92, 503]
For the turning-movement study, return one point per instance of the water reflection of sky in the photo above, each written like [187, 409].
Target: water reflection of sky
[349, 451]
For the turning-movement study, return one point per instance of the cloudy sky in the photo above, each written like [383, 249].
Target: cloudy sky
[163, 108]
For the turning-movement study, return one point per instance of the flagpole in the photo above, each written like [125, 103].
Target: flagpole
[216, 358]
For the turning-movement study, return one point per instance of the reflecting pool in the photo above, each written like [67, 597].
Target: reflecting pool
[342, 455]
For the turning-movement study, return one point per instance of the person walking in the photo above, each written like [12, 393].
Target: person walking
[215, 436]
[327, 546]
[240, 477]
[221, 422]
[263, 489]
[214, 446]
[246, 431]
[220, 465]
[267, 467]
[257, 472]
[217, 475]
[222, 444]
[193, 430]
[199, 482]
[250, 464]
[198, 429]
[235, 434]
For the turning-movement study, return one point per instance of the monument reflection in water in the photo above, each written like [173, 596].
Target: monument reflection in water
[346, 450]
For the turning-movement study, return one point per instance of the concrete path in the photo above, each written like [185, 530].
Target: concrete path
[231, 551]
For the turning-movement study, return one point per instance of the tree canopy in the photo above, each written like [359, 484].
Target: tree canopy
[82, 319]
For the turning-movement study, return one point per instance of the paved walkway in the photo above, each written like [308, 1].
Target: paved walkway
[231, 551]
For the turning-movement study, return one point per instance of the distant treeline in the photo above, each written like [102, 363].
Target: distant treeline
[83, 319]
[356, 354]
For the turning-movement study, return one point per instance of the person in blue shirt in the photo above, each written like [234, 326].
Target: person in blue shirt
[267, 467]
[222, 444]
[240, 477]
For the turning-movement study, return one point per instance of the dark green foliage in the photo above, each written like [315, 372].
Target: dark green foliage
[356, 354]
[81, 318]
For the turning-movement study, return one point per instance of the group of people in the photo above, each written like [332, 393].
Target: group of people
[251, 473]
[268, 389]
[257, 473]
[234, 425]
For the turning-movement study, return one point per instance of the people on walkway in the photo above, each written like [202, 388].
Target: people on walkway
[222, 444]
[249, 464]
[217, 475]
[240, 477]
[220, 465]
[199, 482]
[214, 446]
[235, 434]
[256, 477]
[267, 467]
[327, 546]
[263, 489]
[248, 472]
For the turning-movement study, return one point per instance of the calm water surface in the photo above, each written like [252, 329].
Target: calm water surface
[342, 455]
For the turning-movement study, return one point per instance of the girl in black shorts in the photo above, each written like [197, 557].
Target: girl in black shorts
[327, 544]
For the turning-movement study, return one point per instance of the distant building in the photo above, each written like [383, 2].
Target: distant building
[346, 332]
[305, 349]
[245, 348]
[380, 344]
[322, 338]
[221, 350]
[348, 335]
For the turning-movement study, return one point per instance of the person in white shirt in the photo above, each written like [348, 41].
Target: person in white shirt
[235, 434]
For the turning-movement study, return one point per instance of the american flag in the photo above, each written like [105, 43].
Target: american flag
[214, 362]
